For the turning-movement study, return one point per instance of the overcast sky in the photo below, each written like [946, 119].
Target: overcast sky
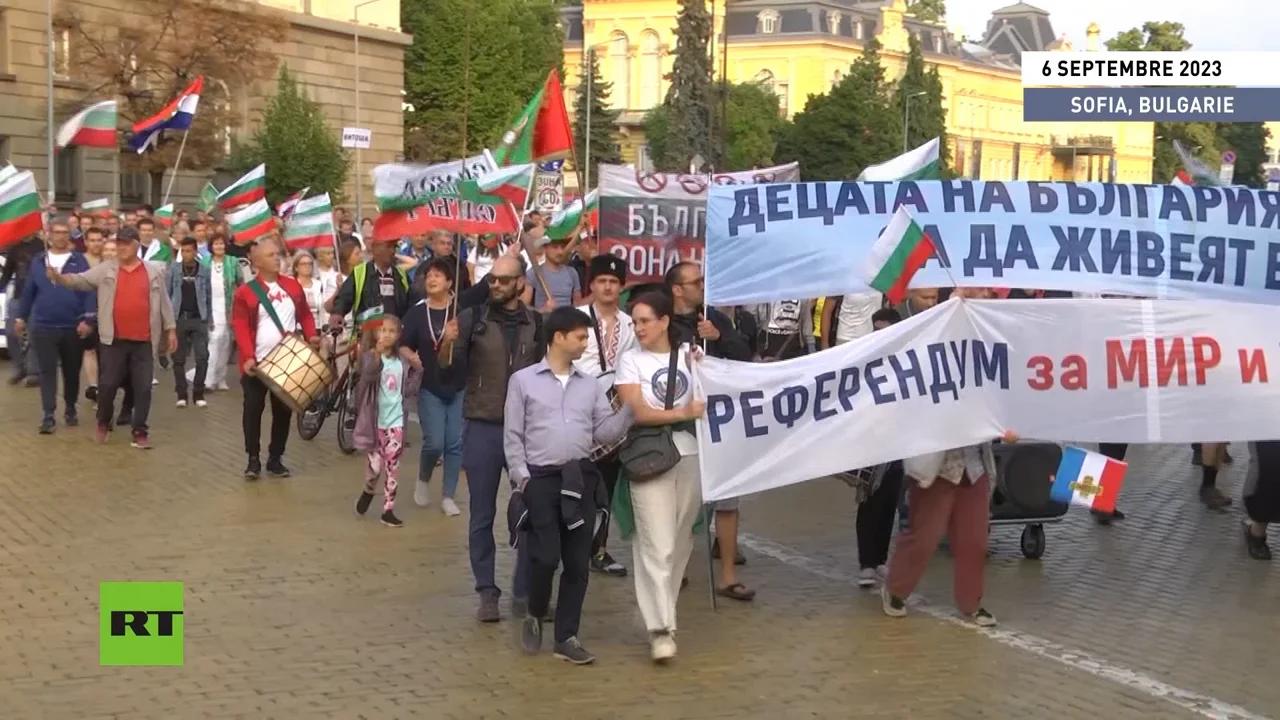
[1218, 25]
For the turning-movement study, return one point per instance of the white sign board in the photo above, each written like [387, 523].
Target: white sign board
[1227, 173]
[356, 138]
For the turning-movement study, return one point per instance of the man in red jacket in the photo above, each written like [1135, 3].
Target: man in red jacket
[258, 327]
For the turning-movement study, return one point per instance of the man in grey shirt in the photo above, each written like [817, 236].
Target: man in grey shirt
[553, 276]
[554, 415]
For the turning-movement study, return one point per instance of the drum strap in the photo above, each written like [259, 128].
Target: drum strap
[265, 302]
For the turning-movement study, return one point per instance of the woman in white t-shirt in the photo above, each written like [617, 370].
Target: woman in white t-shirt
[665, 506]
[304, 271]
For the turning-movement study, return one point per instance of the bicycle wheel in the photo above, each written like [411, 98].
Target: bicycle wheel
[312, 419]
[347, 419]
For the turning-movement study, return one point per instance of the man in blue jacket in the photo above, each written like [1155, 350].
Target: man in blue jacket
[60, 319]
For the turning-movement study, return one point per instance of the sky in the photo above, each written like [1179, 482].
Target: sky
[1211, 25]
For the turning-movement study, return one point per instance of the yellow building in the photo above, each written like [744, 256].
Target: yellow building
[802, 47]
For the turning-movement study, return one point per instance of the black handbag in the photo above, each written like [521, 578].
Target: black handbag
[650, 450]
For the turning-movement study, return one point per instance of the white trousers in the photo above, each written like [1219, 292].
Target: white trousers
[665, 508]
[219, 354]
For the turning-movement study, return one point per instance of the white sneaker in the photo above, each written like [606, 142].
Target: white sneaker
[662, 647]
[450, 507]
[982, 618]
[201, 403]
[422, 493]
[882, 572]
[867, 578]
[223, 386]
[182, 403]
[155, 381]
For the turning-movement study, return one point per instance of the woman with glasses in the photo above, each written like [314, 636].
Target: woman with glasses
[304, 271]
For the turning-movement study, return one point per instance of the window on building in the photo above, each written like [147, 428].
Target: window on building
[767, 22]
[4, 149]
[220, 97]
[67, 175]
[1017, 160]
[650, 70]
[937, 43]
[783, 91]
[620, 67]
[976, 171]
[644, 162]
[833, 22]
[61, 51]
[133, 184]
[857, 29]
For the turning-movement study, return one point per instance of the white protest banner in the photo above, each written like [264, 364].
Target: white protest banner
[1133, 371]
[654, 220]
[810, 239]
[416, 198]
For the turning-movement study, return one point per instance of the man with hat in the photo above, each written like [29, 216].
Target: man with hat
[378, 283]
[611, 334]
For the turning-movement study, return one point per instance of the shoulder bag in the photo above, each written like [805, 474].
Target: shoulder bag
[650, 450]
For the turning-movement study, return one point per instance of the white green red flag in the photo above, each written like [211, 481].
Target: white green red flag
[286, 207]
[310, 225]
[248, 189]
[541, 132]
[564, 223]
[902, 249]
[1196, 172]
[98, 208]
[94, 126]
[251, 222]
[414, 199]
[19, 208]
[164, 215]
[919, 164]
[511, 183]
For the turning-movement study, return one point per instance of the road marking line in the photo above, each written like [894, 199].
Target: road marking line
[1203, 705]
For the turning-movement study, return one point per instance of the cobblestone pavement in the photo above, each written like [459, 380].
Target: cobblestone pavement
[297, 609]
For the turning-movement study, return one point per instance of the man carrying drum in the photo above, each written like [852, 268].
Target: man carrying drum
[263, 312]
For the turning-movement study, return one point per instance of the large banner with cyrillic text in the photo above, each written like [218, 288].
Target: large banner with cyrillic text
[654, 220]
[790, 240]
[1137, 371]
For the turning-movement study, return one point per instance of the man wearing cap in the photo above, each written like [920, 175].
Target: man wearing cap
[376, 283]
[611, 334]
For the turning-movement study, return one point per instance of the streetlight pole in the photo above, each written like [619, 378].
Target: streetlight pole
[359, 171]
[906, 119]
[586, 162]
[49, 94]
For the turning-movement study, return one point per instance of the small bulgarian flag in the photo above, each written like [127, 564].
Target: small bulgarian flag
[164, 215]
[901, 250]
[94, 126]
[98, 208]
[19, 208]
[564, 223]
[919, 164]
[251, 222]
[248, 189]
[310, 225]
[511, 183]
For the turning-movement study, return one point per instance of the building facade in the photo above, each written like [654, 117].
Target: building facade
[319, 49]
[800, 48]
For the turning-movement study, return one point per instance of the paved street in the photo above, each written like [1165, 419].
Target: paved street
[295, 608]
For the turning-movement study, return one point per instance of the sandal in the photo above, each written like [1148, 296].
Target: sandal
[737, 591]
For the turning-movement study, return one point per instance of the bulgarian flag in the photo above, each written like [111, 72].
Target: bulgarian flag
[164, 215]
[919, 164]
[311, 224]
[248, 189]
[511, 183]
[901, 250]
[564, 223]
[19, 208]
[1195, 172]
[98, 208]
[251, 222]
[291, 202]
[94, 126]
[541, 132]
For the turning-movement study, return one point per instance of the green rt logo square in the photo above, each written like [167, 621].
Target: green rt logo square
[140, 623]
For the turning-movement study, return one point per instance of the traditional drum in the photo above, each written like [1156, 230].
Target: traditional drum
[295, 373]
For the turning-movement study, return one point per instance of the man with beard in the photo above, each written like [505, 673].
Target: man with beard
[493, 342]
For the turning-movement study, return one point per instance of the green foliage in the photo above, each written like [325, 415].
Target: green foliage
[1154, 35]
[688, 101]
[296, 143]
[931, 10]
[751, 127]
[855, 124]
[928, 118]
[604, 143]
[471, 68]
[1249, 141]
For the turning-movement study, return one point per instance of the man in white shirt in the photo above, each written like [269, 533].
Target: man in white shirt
[853, 319]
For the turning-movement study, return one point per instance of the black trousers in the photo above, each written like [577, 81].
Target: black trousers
[875, 519]
[255, 403]
[193, 338]
[552, 544]
[128, 364]
[609, 467]
[54, 347]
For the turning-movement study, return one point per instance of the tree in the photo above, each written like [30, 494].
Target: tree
[472, 66]
[928, 119]
[1249, 142]
[604, 144]
[146, 58]
[931, 10]
[688, 101]
[854, 125]
[752, 127]
[296, 143]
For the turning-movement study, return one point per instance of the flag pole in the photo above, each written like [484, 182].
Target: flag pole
[177, 163]
[115, 182]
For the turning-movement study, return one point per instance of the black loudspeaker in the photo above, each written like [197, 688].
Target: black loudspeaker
[1022, 487]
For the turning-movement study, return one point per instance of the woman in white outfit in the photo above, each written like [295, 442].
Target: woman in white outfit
[313, 289]
[224, 276]
[665, 506]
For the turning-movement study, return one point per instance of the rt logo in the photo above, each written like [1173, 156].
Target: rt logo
[140, 623]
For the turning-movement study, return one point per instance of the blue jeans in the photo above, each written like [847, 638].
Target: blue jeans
[484, 461]
[441, 422]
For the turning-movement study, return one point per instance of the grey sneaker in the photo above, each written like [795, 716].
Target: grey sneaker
[571, 651]
[488, 610]
[893, 607]
[867, 578]
[519, 607]
[982, 618]
[531, 636]
[1213, 498]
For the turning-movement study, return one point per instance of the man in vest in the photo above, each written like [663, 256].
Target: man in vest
[492, 342]
[377, 283]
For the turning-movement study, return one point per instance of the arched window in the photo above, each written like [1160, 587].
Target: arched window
[620, 70]
[219, 95]
[650, 70]
[767, 22]
[833, 22]
[766, 79]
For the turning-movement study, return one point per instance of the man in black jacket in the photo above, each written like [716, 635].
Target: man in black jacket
[17, 263]
[696, 324]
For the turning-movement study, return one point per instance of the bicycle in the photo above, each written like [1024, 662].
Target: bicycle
[339, 398]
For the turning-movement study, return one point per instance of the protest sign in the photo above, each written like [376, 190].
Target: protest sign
[654, 220]
[1137, 371]
[417, 198]
[811, 239]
